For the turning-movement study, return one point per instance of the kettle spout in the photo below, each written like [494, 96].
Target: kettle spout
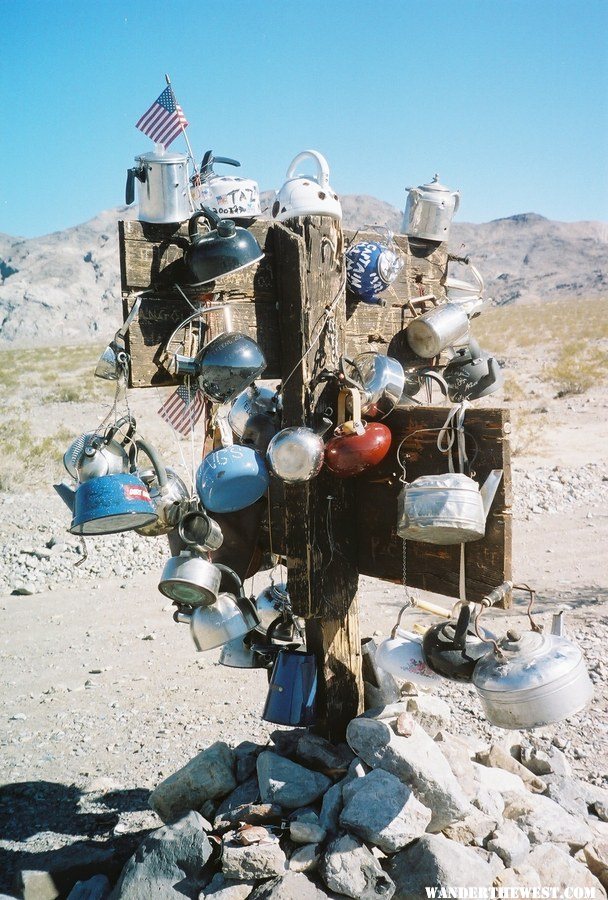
[67, 494]
[489, 488]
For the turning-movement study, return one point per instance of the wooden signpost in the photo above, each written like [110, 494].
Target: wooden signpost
[295, 304]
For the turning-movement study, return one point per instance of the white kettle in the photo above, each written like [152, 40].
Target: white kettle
[304, 195]
[429, 211]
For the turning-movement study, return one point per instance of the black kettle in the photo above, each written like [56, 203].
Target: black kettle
[472, 373]
[450, 650]
[223, 250]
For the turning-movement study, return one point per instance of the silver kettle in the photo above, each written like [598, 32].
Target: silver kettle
[532, 679]
[95, 454]
[429, 210]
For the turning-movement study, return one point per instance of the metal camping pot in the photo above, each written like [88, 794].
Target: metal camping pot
[295, 454]
[199, 531]
[429, 211]
[292, 691]
[109, 504]
[531, 680]
[437, 328]
[231, 478]
[190, 579]
[445, 509]
[225, 620]
[162, 187]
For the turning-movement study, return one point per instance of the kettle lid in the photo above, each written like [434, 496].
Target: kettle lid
[435, 186]
[166, 158]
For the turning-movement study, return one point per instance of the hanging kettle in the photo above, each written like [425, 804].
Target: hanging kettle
[166, 489]
[440, 327]
[295, 454]
[429, 210]
[110, 504]
[272, 602]
[450, 650]
[445, 509]
[257, 399]
[465, 294]
[401, 655]
[225, 366]
[532, 679]
[355, 446]
[231, 478]
[304, 195]
[94, 454]
[292, 690]
[162, 187]
[472, 373]
[382, 382]
[226, 195]
[240, 654]
[371, 266]
[228, 618]
[222, 251]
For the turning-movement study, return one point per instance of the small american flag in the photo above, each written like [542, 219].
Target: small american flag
[164, 120]
[183, 408]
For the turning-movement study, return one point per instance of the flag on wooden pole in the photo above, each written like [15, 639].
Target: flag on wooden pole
[183, 408]
[164, 121]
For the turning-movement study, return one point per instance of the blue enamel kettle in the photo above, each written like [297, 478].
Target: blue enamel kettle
[292, 691]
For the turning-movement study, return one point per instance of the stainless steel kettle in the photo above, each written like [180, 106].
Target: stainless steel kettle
[429, 211]
[532, 679]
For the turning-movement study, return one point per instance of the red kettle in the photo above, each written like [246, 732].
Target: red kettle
[356, 446]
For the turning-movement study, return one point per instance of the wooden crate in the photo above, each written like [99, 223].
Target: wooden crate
[151, 257]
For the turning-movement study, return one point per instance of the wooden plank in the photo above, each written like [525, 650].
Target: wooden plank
[430, 567]
[152, 256]
[318, 516]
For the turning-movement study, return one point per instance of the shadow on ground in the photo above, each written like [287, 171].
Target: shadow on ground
[79, 825]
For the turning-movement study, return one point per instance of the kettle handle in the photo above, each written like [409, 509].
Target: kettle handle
[157, 464]
[206, 213]
[206, 170]
[232, 575]
[322, 177]
[456, 196]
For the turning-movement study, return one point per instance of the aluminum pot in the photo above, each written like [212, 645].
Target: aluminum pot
[93, 454]
[190, 579]
[162, 187]
[231, 478]
[438, 328]
[532, 680]
[225, 620]
[295, 454]
[429, 211]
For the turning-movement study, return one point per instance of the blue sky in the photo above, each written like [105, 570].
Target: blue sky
[507, 100]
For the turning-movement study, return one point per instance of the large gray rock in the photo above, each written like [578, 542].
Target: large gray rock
[253, 861]
[546, 762]
[292, 886]
[415, 760]
[557, 868]
[596, 859]
[458, 754]
[306, 832]
[96, 888]
[436, 861]
[349, 868]
[489, 802]
[383, 811]
[305, 859]
[331, 808]
[498, 758]
[545, 821]
[168, 863]
[499, 780]
[319, 753]
[287, 783]
[569, 793]
[510, 843]
[473, 829]
[220, 888]
[208, 776]
[432, 713]
[246, 793]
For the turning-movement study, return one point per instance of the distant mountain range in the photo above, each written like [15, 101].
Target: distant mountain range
[65, 287]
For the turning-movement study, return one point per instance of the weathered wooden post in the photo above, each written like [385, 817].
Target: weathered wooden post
[319, 515]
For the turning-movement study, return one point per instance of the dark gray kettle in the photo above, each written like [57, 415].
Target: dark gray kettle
[472, 373]
[226, 248]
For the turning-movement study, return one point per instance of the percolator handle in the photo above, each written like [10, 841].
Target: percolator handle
[132, 174]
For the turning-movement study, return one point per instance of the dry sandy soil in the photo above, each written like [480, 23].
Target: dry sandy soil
[102, 695]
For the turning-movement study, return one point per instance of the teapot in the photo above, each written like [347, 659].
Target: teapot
[429, 210]
[222, 251]
[94, 454]
[227, 195]
[304, 195]
[355, 446]
[472, 373]
[450, 650]
[532, 679]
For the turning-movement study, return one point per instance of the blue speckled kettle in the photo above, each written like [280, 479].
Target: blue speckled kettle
[292, 692]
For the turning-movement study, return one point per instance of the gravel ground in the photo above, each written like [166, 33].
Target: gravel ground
[103, 694]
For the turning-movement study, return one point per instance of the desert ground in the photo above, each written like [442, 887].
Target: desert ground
[102, 694]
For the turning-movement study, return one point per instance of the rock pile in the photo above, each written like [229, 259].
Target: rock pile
[402, 806]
